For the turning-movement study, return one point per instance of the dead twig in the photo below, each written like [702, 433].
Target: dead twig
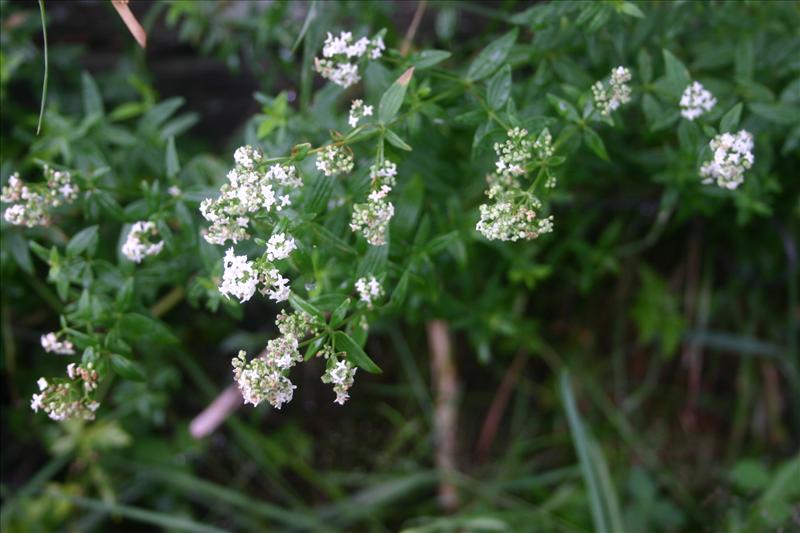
[445, 420]
[130, 21]
[405, 48]
[499, 404]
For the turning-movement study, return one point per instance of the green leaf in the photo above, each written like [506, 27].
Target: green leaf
[778, 113]
[19, 250]
[86, 239]
[677, 76]
[137, 327]
[593, 141]
[126, 368]
[344, 343]
[339, 313]
[491, 57]
[173, 164]
[92, 101]
[126, 111]
[302, 305]
[429, 58]
[392, 99]
[396, 141]
[320, 192]
[631, 9]
[499, 88]
[400, 291]
[563, 108]
[730, 120]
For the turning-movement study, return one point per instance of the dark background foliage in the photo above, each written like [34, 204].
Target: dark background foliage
[656, 328]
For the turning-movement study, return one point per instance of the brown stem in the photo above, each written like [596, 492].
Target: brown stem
[215, 414]
[130, 21]
[445, 422]
[412, 28]
[498, 407]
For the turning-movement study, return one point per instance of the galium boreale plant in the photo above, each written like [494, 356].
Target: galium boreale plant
[312, 227]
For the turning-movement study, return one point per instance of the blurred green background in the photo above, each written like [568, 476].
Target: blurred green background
[636, 370]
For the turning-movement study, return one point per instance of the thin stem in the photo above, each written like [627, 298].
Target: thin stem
[46, 68]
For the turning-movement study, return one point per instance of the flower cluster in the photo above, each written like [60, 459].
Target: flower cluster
[341, 374]
[279, 247]
[31, 201]
[241, 278]
[733, 154]
[358, 111]
[341, 54]
[251, 189]
[372, 218]
[513, 213]
[139, 245]
[696, 100]
[334, 160]
[369, 290]
[265, 377]
[70, 398]
[514, 154]
[51, 344]
[609, 97]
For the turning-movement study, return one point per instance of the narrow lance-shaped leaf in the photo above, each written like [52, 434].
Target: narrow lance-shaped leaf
[491, 57]
[355, 354]
[392, 99]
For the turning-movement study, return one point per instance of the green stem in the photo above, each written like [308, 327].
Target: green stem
[46, 68]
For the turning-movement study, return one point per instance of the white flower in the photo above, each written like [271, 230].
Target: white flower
[340, 56]
[239, 279]
[32, 201]
[279, 247]
[250, 190]
[696, 100]
[341, 375]
[358, 111]
[51, 344]
[609, 98]
[733, 155]
[41, 383]
[138, 246]
[174, 191]
[369, 290]
[334, 160]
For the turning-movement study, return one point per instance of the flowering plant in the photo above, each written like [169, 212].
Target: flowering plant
[399, 195]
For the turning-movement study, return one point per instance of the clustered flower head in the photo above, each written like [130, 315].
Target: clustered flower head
[334, 160]
[369, 290]
[251, 189]
[733, 154]
[51, 344]
[139, 243]
[514, 213]
[241, 277]
[609, 97]
[68, 398]
[358, 111]
[341, 374]
[340, 56]
[32, 201]
[265, 377]
[696, 100]
[279, 247]
[372, 218]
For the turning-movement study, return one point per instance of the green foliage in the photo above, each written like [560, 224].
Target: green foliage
[644, 262]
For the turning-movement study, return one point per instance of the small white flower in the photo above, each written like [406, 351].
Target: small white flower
[341, 375]
[41, 383]
[369, 290]
[239, 279]
[51, 344]
[733, 155]
[618, 92]
[138, 245]
[358, 111]
[279, 247]
[696, 100]
[334, 160]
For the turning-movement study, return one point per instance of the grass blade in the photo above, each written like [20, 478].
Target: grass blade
[46, 68]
